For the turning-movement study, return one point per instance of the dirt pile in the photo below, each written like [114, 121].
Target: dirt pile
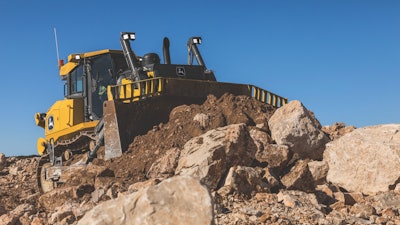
[186, 122]
[254, 174]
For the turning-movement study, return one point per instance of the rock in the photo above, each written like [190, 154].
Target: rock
[165, 166]
[293, 125]
[246, 180]
[366, 160]
[277, 157]
[397, 188]
[266, 197]
[37, 221]
[7, 219]
[14, 170]
[271, 179]
[3, 162]
[56, 198]
[63, 212]
[209, 156]
[21, 209]
[204, 157]
[225, 190]
[2, 210]
[82, 209]
[84, 189]
[346, 198]
[336, 218]
[202, 119]
[337, 130]
[115, 190]
[326, 189]
[357, 220]
[389, 213]
[382, 220]
[288, 200]
[97, 194]
[357, 197]
[294, 199]
[299, 178]
[182, 109]
[362, 211]
[318, 170]
[178, 200]
[260, 138]
[88, 174]
[14, 216]
[240, 148]
[386, 200]
[325, 194]
[141, 185]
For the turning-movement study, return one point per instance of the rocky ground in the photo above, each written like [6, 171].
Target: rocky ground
[230, 160]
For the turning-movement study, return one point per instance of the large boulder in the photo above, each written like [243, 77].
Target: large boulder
[365, 160]
[178, 200]
[293, 125]
[209, 156]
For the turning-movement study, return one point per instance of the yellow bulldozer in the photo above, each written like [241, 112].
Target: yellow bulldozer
[111, 96]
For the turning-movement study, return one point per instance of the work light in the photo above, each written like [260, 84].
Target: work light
[129, 36]
[196, 40]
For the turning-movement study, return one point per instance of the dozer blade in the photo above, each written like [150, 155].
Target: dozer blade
[123, 121]
[112, 137]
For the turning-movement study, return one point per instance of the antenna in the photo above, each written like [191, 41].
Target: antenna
[60, 61]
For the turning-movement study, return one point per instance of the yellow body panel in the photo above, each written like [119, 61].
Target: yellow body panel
[68, 67]
[65, 118]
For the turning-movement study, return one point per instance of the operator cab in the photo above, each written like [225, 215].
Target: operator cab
[89, 78]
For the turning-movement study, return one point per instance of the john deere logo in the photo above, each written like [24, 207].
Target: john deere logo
[50, 123]
[180, 71]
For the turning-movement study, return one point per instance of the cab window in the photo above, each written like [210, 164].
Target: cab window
[75, 81]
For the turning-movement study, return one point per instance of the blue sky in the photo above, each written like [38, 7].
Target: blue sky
[340, 58]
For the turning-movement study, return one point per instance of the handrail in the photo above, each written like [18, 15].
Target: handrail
[267, 97]
[138, 90]
[141, 89]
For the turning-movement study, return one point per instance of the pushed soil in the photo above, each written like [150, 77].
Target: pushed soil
[184, 123]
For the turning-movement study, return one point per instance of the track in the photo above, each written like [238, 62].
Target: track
[43, 185]
[66, 152]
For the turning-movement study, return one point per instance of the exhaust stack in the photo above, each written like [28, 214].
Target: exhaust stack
[166, 53]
